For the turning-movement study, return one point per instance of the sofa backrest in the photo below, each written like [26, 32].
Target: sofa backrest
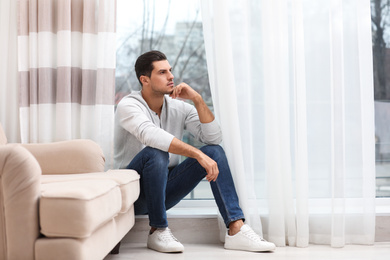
[3, 137]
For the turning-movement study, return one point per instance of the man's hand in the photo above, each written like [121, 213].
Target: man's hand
[179, 147]
[184, 91]
[210, 166]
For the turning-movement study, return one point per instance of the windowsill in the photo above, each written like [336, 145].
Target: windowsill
[208, 208]
[382, 206]
[194, 209]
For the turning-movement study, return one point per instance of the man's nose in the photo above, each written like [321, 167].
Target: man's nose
[170, 75]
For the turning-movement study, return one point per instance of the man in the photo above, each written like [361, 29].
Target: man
[148, 129]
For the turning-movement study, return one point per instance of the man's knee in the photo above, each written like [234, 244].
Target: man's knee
[157, 156]
[149, 158]
[214, 151]
[155, 152]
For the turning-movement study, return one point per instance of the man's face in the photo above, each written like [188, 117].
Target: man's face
[161, 78]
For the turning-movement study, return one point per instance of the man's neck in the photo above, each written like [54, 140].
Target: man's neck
[154, 102]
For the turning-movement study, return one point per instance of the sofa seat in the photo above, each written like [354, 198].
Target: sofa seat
[76, 205]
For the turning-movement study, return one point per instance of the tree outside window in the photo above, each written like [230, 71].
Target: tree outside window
[173, 27]
[380, 11]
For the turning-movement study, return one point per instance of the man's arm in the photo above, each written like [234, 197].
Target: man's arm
[204, 113]
[211, 167]
[186, 92]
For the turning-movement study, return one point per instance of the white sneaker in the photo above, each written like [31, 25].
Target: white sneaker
[162, 240]
[246, 239]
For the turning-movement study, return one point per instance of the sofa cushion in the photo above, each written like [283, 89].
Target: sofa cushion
[77, 208]
[128, 181]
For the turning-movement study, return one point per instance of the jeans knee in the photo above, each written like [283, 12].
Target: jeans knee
[157, 157]
[214, 151]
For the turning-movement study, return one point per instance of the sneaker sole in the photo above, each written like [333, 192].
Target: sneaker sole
[165, 250]
[268, 249]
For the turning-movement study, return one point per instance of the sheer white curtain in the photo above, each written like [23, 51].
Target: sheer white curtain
[9, 91]
[292, 87]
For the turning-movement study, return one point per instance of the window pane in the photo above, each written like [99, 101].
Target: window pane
[381, 56]
[175, 28]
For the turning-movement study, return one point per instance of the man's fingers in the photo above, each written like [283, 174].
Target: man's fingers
[213, 175]
[211, 168]
[176, 91]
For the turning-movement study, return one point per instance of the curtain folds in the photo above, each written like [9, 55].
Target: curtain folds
[297, 77]
[67, 71]
[9, 91]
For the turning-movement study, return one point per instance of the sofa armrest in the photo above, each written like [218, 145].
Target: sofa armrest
[19, 194]
[68, 157]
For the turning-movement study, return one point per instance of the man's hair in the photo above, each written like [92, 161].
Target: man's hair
[144, 64]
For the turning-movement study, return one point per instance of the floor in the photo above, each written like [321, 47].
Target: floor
[379, 251]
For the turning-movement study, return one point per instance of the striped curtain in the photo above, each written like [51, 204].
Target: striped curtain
[66, 69]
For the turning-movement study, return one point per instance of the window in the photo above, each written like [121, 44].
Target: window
[381, 57]
[175, 28]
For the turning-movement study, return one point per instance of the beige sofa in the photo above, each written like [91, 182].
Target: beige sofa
[57, 202]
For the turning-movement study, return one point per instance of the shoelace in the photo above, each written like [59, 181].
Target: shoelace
[166, 235]
[253, 236]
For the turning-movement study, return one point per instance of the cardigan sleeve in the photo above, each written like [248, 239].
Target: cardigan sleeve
[134, 119]
[208, 133]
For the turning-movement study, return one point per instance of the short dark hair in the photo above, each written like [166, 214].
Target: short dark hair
[144, 63]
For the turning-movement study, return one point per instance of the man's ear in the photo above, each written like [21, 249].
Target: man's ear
[144, 79]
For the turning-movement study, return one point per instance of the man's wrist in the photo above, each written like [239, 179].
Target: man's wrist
[197, 99]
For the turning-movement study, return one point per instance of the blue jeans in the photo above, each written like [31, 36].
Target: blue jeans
[163, 188]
